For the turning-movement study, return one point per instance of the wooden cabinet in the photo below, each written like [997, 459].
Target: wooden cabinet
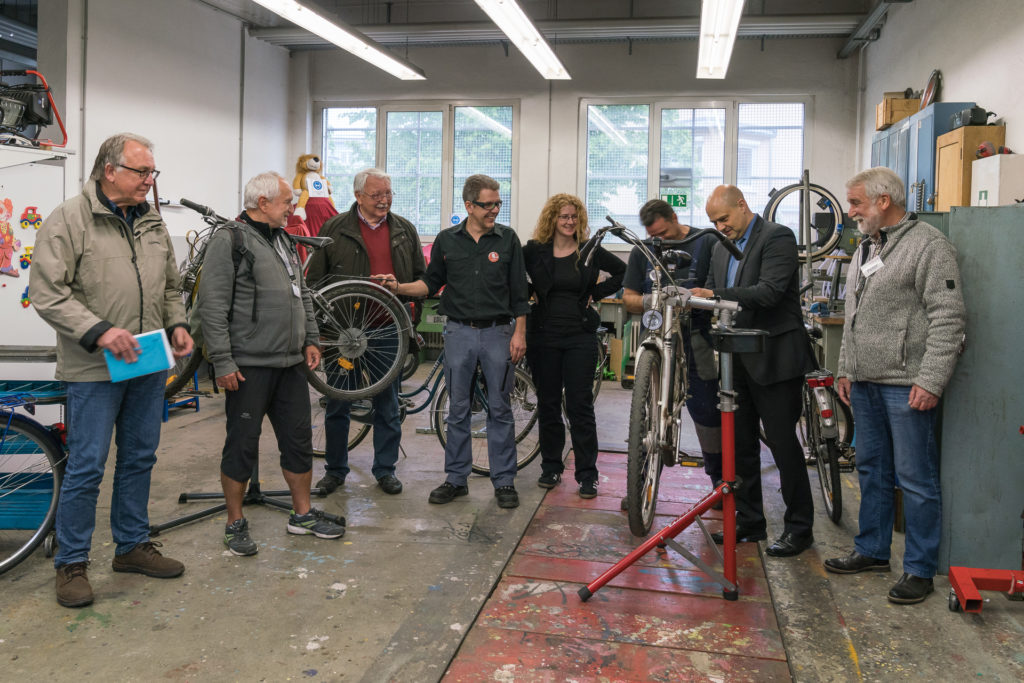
[954, 154]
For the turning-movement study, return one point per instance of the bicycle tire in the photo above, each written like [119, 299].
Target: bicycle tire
[353, 318]
[412, 362]
[357, 431]
[181, 374]
[827, 201]
[31, 470]
[826, 456]
[524, 411]
[643, 458]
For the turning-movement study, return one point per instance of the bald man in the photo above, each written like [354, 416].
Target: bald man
[766, 284]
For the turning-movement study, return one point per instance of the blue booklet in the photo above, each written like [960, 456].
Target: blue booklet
[154, 355]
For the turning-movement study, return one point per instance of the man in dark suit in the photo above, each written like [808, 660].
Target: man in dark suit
[768, 384]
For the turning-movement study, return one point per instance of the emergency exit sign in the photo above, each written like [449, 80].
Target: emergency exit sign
[675, 200]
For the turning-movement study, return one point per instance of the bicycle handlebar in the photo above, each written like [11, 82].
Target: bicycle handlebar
[206, 211]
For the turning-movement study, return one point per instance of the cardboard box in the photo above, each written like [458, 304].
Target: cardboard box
[891, 110]
[997, 180]
[615, 357]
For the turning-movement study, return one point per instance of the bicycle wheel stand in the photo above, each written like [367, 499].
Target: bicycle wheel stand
[253, 496]
[727, 341]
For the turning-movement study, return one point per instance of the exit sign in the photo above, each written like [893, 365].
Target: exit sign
[675, 200]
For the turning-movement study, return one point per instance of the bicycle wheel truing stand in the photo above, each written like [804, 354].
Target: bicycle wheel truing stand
[727, 341]
[253, 496]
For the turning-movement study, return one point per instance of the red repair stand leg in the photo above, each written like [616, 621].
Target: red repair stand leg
[727, 341]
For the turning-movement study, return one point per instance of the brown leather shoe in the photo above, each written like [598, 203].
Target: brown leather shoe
[73, 589]
[146, 559]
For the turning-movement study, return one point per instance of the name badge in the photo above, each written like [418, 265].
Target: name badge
[295, 291]
[871, 267]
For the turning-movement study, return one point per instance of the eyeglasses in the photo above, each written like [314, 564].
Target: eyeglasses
[489, 206]
[377, 196]
[141, 173]
[569, 219]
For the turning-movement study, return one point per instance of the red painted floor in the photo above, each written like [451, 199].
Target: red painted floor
[660, 620]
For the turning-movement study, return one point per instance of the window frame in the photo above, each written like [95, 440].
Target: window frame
[447, 108]
[656, 105]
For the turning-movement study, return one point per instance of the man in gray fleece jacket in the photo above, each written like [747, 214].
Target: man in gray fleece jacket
[903, 332]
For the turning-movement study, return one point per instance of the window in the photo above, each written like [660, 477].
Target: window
[350, 145]
[681, 152]
[428, 152]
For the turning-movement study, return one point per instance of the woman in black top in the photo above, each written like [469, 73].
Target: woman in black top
[561, 339]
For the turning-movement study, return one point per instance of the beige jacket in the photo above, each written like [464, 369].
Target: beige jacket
[91, 272]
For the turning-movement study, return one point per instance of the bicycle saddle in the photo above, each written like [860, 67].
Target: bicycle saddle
[315, 242]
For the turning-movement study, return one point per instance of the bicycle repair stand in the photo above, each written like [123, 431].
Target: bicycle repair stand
[253, 496]
[727, 341]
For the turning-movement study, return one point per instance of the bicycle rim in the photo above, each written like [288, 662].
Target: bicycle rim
[31, 468]
[821, 198]
[643, 463]
[828, 478]
[523, 400]
[364, 338]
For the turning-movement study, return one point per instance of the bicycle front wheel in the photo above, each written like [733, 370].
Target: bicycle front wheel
[357, 431]
[523, 400]
[31, 467]
[785, 206]
[643, 459]
[364, 338]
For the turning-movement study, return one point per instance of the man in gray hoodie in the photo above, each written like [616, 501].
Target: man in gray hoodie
[901, 339]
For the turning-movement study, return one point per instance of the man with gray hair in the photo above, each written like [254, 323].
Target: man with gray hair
[103, 271]
[368, 240]
[901, 339]
[257, 319]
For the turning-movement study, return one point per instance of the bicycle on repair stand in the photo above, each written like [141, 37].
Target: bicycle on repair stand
[660, 379]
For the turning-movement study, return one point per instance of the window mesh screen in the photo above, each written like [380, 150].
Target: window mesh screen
[617, 152]
[483, 144]
[414, 162]
[350, 145]
[692, 160]
[770, 154]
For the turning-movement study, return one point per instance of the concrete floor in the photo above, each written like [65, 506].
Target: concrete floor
[393, 600]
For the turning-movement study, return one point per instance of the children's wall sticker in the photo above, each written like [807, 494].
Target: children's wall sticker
[26, 258]
[25, 303]
[31, 218]
[8, 244]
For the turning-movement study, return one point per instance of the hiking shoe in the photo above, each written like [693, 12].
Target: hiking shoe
[144, 558]
[549, 480]
[389, 484]
[588, 489]
[507, 497]
[328, 484]
[446, 493]
[73, 589]
[313, 522]
[237, 539]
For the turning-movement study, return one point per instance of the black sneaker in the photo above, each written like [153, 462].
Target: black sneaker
[446, 493]
[389, 484]
[549, 480]
[507, 496]
[588, 489]
[237, 539]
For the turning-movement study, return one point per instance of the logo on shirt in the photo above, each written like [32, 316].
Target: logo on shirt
[493, 257]
[317, 185]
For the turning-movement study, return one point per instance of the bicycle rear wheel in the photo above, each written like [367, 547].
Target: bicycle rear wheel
[786, 209]
[182, 373]
[364, 338]
[825, 453]
[523, 400]
[31, 467]
[643, 459]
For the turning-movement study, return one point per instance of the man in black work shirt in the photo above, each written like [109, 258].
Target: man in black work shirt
[480, 265]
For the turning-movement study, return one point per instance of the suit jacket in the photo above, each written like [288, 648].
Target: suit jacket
[539, 259]
[767, 288]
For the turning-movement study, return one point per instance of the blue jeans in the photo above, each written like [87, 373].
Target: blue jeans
[135, 406]
[464, 346]
[894, 440]
[387, 433]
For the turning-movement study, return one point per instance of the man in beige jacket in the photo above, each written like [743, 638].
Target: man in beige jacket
[103, 271]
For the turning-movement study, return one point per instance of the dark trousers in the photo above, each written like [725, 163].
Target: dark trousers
[778, 407]
[280, 394]
[569, 362]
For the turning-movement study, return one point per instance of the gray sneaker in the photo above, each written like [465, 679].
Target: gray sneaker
[313, 522]
[237, 538]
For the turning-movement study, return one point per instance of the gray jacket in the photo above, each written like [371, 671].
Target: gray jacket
[269, 324]
[904, 323]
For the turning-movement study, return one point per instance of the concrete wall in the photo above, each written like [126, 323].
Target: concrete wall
[976, 45]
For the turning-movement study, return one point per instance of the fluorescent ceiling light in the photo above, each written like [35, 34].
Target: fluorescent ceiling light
[524, 35]
[719, 20]
[345, 37]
